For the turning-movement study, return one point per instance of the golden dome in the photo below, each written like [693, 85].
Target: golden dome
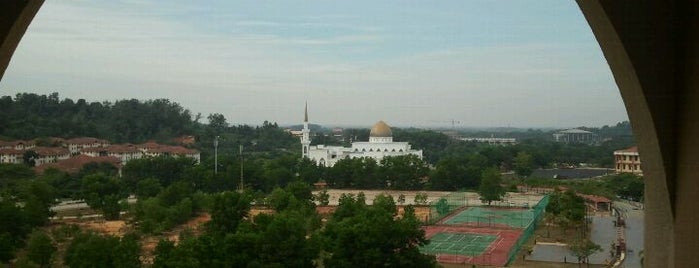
[381, 129]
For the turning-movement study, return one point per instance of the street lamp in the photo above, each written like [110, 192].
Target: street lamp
[216, 155]
[241, 186]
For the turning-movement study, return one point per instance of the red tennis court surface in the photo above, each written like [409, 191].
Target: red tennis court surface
[495, 254]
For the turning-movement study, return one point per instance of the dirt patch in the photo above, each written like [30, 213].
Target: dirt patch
[115, 228]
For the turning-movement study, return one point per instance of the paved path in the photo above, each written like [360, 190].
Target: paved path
[603, 233]
[634, 233]
[552, 253]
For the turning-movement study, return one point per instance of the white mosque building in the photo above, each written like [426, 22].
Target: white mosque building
[380, 145]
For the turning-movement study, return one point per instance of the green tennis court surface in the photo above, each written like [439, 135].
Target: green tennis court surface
[492, 217]
[458, 244]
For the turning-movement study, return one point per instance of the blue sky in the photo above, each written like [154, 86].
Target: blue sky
[409, 63]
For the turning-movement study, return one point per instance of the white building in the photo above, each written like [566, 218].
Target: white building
[380, 145]
[45, 155]
[76, 145]
[576, 136]
[491, 140]
[11, 156]
[17, 145]
[124, 153]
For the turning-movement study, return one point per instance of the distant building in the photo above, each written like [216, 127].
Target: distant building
[576, 136]
[11, 156]
[17, 145]
[154, 150]
[380, 145]
[491, 140]
[77, 144]
[295, 133]
[45, 155]
[628, 161]
[125, 152]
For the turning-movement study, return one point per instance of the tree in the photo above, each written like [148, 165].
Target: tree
[403, 172]
[103, 193]
[217, 121]
[228, 210]
[442, 206]
[322, 197]
[29, 157]
[148, 188]
[372, 236]
[490, 189]
[583, 249]
[93, 250]
[40, 248]
[401, 199]
[523, 164]
[420, 199]
[566, 209]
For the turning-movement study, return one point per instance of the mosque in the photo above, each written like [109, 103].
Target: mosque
[380, 145]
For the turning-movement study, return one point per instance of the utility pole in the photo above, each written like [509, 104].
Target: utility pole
[241, 187]
[216, 155]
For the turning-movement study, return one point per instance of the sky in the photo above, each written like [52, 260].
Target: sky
[487, 63]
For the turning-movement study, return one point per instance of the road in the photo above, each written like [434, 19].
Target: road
[634, 233]
[603, 233]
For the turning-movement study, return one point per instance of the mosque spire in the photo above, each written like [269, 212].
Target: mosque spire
[305, 115]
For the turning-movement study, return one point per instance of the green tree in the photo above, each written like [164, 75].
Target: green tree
[582, 249]
[40, 248]
[228, 210]
[373, 237]
[93, 250]
[442, 206]
[490, 189]
[401, 199]
[403, 172]
[103, 193]
[420, 199]
[523, 164]
[322, 197]
[149, 187]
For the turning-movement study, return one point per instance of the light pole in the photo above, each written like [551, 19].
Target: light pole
[242, 182]
[216, 155]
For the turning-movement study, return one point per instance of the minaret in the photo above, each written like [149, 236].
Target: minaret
[305, 137]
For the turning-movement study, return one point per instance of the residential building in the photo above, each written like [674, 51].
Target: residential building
[17, 145]
[124, 152]
[45, 155]
[628, 161]
[77, 144]
[152, 149]
[11, 156]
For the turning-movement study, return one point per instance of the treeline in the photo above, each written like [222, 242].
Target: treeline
[30, 116]
[625, 185]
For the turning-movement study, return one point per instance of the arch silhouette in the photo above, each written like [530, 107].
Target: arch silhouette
[652, 53]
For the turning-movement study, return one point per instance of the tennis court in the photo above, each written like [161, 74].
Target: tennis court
[458, 244]
[462, 244]
[491, 217]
